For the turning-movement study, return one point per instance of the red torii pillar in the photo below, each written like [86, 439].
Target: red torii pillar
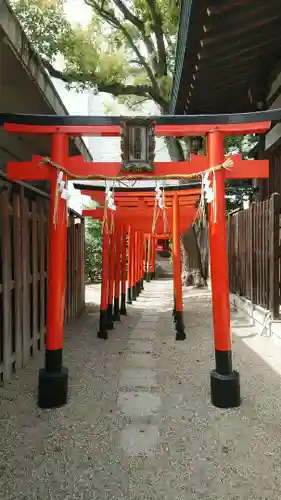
[110, 323]
[130, 257]
[134, 278]
[141, 261]
[139, 289]
[116, 305]
[102, 333]
[178, 312]
[53, 379]
[123, 309]
[225, 383]
[153, 257]
[148, 258]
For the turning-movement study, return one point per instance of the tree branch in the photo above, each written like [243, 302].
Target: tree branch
[137, 22]
[113, 21]
[158, 30]
[116, 88]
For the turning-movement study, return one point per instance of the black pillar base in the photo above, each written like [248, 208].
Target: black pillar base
[116, 315]
[53, 381]
[53, 388]
[153, 275]
[129, 296]
[225, 390]
[102, 333]
[134, 293]
[138, 288]
[148, 276]
[142, 287]
[180, 332]
[123, 309]
[145, 276]
[109, 317]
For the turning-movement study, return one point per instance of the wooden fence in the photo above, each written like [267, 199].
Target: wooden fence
[23, 274]
[254, 253]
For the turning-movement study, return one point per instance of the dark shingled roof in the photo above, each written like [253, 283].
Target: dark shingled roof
[226, 51]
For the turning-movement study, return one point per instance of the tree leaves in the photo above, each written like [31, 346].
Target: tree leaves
[127, 44]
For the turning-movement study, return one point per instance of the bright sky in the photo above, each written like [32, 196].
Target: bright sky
[78, 12]
[80, 104]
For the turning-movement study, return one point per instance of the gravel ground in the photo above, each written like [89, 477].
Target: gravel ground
[139, 423]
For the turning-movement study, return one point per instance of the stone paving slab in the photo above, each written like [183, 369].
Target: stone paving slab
[152, 327]
[141, 346]
[136, 439]
[138, 377]
[162, 441]
[143, 333]
[149, 318]
[143, 360]
[138, 404]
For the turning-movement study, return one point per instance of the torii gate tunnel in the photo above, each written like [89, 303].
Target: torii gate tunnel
[53, 379]
[137, 214]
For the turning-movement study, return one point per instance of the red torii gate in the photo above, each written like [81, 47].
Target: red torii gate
[136, 214]
[53, 379]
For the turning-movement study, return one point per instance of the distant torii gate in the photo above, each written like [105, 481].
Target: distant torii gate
[136, 214]
[53, 379]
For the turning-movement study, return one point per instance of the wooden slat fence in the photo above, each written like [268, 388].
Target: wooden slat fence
[23, 275]
[254, 253]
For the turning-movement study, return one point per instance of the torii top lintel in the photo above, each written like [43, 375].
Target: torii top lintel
[229, 124]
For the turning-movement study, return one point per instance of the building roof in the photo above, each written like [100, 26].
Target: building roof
[25, 87]
[226, 52]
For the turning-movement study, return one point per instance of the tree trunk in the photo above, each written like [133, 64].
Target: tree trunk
[194, 242]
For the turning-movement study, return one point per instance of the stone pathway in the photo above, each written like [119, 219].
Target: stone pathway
[139, 423]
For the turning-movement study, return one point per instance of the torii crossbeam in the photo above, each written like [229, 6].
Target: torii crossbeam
[53, 379]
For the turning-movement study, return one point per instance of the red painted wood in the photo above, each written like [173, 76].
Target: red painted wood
[242, 169]
[57, 254]
[218, 246]
[105, 269]
[176, 255]
[161, 130]
[124, 264]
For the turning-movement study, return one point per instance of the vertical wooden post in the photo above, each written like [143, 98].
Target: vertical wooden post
[225, 385]
[148, 262]
[116, 315]
[25, 278]
[134, 254]
[53, 379]
[34, 259]
[153, 256]
[138, 282]
[18, 280]
[5, 256]
[178, 313]
[130, 277]
[102, 333]
[123, 309]
[142, 260]
[110, 324]
[275, 205]
[145, 257]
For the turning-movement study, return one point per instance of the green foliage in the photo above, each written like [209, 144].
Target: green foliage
[93, 251]
[45, 24]
[127, 48]
[240, 144]
[238, 192]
